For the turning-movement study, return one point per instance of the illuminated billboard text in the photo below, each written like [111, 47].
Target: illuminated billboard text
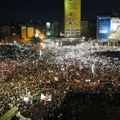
[103, 29]
[72, 15]
[115, 29]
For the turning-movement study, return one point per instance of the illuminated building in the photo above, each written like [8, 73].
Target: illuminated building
[23, 32]
[27, 32]
[48, 29]
[30, 32]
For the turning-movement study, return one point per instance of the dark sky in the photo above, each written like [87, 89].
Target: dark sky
[22, 10]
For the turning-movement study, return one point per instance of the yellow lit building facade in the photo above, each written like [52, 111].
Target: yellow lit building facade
[30, 32]
[27, 32]
[23, 32]
[72, 25]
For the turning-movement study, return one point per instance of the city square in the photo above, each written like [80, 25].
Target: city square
[39, 83]
[60, 60]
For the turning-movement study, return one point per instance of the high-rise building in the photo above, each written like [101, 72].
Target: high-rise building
[55, 27]
[48, 29]
[72, 18]
[5, 30]
[85, 27]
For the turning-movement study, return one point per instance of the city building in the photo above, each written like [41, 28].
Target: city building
[55, 26]
[61, 27]
[27, 32]
[5, 30]
[84, 27]
[48, 29]
[9, 33]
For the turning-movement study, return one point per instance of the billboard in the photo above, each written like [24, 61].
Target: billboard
[103, 29]
[115, 29]
[72, 16]
[30, 32]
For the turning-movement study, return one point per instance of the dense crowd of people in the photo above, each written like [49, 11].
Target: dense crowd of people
[65, 73]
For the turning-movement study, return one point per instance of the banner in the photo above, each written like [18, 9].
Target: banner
[46, 97]
[72, 15]
[115, 29]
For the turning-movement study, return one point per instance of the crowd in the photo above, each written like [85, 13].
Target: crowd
[64, 72]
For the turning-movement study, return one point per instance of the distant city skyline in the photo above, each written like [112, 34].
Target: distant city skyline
[45, 10]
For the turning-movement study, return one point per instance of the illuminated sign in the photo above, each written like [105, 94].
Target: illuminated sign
[115, 28]
[72, 16]
[103, 29]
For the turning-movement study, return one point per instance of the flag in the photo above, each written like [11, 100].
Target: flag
[46, 97]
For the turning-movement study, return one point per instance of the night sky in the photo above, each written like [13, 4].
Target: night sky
[25, 10]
